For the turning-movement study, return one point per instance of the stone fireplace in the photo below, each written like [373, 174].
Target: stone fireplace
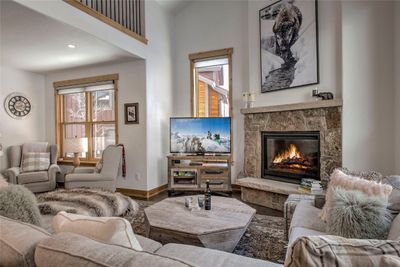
[290, 156]
[323, 117]
[286, 143]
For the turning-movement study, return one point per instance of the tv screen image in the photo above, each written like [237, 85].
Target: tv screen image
[200, 135]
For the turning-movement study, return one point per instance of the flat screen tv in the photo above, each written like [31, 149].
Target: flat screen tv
[200, 135]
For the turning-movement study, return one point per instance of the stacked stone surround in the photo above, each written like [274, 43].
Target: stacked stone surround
[326, 119]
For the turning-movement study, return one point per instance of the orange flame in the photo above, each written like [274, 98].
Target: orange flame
[291, 153]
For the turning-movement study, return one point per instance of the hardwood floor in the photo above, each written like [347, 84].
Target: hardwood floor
[259, 209]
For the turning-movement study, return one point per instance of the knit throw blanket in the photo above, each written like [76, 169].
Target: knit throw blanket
[91, 202]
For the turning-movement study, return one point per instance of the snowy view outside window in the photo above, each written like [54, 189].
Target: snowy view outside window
[98, 121]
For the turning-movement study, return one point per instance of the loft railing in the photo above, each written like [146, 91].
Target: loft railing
[124, 15]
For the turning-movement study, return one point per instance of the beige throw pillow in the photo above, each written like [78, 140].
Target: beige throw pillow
[35, 161]
[348, 182]
[110, 230]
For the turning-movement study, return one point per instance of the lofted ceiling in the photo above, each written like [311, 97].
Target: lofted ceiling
[34, 42]
[174, 6]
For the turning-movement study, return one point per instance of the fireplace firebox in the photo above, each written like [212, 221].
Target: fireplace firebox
[290, 156]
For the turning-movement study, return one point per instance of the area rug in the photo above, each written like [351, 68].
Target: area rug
[92, 202]
[263, 239]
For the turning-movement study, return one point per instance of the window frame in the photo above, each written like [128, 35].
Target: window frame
[89, 123]
[226, 52]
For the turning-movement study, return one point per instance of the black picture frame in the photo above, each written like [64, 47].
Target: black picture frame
[288, 60]
[131, 111]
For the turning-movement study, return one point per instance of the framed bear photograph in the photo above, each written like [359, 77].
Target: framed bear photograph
[289, 45]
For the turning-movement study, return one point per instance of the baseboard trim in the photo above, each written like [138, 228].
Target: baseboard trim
[144, 194]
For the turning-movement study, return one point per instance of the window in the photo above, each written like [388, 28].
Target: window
[86, 109]
[211, 83]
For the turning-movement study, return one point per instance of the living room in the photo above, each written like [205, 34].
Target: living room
[50, 47]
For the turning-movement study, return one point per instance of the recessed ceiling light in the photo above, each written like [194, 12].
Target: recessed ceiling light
[71, 46]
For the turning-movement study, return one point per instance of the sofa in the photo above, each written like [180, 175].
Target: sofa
[310, 244]
[23, 244]
[305, 221]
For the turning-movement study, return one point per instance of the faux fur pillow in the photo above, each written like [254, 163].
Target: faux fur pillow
[342, 180]
[18, 203]
[356, 215]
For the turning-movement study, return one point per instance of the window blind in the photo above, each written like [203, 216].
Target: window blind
[210, 63]
[90, 87]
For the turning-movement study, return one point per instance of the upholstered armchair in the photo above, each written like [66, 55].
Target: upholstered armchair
[106, 178]
[36, 181]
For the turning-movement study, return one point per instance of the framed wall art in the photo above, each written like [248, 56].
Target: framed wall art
[132, 113]
[289, 45]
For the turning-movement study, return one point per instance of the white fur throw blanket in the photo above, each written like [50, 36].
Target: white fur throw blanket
[92, 202]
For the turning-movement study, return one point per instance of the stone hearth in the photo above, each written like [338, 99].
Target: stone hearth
[322, 116]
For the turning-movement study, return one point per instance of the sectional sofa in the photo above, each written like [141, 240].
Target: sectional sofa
[23, 244]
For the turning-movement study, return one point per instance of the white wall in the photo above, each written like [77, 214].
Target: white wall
[159, 94]
[329, 24]
[221, 24]
[368, 128]
[210, 25]
[397, 83]
[30, 129]
[131, 88]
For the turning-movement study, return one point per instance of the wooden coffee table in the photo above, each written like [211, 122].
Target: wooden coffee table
[168, 221]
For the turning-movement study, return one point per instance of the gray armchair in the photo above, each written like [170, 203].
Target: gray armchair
[106, 178]
[36, 181]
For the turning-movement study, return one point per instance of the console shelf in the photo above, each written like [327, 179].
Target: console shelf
[190, 173]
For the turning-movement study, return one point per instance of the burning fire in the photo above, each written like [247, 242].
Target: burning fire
[291, 158]
[291, 153]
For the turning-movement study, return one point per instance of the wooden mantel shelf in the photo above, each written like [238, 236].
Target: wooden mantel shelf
[297, 106]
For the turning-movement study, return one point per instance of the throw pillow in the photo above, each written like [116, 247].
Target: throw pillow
[326, 250]
[354, 214]
[18, 203]
[394, 197]
[394, 233]
[110, 230]
[35, 161]
[342, 180]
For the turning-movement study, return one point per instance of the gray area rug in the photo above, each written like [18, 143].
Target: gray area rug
[264, 239]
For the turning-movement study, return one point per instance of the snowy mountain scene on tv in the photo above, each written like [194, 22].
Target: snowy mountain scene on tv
[288, 45]
[200, 135]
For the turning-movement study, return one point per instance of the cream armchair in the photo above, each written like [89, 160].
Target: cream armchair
[36, 181]
[106, 178]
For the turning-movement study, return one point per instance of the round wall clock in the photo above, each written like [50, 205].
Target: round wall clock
[17, 105]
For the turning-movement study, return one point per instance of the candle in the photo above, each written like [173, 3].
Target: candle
[245, 97]
[252, 96]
